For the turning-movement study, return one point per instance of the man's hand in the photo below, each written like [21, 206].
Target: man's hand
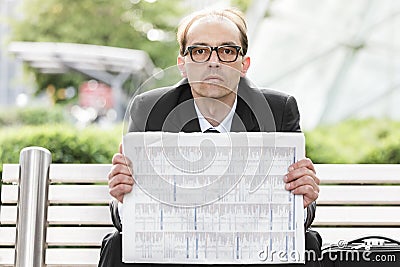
[302, 180]
[120, 180]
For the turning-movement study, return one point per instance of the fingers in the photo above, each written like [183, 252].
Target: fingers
[120, 180]
[304, 167]
[120, 185]
[309, 194]
[119, 158]
[302, 180]
[121, 164]
[304, 186]
[307, 163]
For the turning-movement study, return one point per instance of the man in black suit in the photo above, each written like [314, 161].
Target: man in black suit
[213, 96]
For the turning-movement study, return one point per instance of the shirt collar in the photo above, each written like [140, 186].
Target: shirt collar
[223, 127]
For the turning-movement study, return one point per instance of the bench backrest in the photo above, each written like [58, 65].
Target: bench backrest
[355, 201]
[78, 214]
[358, 200]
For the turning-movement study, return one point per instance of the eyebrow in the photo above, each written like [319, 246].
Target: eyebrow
[224, 43]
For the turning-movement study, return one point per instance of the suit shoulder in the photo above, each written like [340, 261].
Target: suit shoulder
[150, 109]
[154, 94]
[283, 107]
[272, 93]
[278, 98]
[164, 95]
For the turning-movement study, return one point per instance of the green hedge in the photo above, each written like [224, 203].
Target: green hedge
[387, 152]
[33, 116]
[66, 143]
[355, 141]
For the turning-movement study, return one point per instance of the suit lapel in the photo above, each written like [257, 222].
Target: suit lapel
[184, 116]
[253, 111]
[244, 120]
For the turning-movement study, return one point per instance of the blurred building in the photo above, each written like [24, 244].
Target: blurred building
[340, 59]
[10, 70]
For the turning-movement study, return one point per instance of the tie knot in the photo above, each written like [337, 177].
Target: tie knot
[211, 130]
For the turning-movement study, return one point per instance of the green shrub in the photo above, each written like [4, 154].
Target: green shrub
[355, 141]
[66, 143]
[33, 116]
[388, 152]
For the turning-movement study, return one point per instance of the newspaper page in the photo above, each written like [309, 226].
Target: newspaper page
[212, 199]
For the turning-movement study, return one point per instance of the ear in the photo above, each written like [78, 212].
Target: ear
[245, 66]
[181, 65]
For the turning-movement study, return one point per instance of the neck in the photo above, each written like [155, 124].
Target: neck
[215, 110]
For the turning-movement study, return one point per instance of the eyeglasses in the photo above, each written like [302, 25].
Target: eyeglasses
[202, 53]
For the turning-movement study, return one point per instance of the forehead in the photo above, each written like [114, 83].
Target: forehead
[213, 30]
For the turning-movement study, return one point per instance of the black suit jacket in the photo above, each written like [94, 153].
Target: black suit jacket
[171, 109]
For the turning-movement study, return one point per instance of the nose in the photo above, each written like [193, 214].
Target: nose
[214, 60]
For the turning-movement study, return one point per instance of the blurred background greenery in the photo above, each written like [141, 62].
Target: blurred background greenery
[44, 108]
[351, 141]
[116, 23]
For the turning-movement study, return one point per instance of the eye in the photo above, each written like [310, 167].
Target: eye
[228, 51]
[199, 51]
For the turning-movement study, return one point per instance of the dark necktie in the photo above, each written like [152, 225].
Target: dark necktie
[211, 130]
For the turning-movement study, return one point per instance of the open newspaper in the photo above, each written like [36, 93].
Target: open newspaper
[212, 199]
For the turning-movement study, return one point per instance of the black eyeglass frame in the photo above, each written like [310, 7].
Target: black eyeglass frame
[189, 50]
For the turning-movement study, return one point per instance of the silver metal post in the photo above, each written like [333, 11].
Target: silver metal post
[32, 207]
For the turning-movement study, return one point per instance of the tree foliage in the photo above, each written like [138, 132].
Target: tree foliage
[148, 25]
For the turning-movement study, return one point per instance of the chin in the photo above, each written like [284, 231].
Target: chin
[214, 92]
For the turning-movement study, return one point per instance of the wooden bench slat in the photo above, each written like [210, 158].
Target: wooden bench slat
[72, 257]
[64, 173]
[7, 236]
[92, 236]
[79, 173]
[334, 235]
[58, 257]
[75, 257]
[79, 236]
[99, 215]
[10, 173]
[358, 173]
[7, 257]
[328, 173]
[379, 216]
[82, 215]
[329, 194]
[62, 236]
[8, 215]
[62, 194]
[358, 194]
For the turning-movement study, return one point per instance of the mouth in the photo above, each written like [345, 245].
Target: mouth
[213, 79]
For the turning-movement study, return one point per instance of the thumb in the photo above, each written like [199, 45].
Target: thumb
[120, 148]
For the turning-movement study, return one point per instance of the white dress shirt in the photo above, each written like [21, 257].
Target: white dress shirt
[223, 127]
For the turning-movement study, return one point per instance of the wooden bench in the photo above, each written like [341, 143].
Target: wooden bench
[78, 214]
[358, 200]
[355, 201]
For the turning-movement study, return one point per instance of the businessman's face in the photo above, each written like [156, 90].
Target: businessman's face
[213, 78]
